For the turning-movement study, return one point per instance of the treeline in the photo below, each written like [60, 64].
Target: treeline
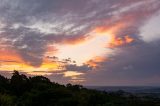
[20, 90]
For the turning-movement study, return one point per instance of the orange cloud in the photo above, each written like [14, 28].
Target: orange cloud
[129, 39]
[112, 31]
[9, 55]
[120, 41]
[94, 62]
[10, 60]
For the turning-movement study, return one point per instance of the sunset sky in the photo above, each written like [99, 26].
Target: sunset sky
[88, 42]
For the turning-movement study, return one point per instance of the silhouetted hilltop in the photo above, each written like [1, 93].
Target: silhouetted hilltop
[20, 90]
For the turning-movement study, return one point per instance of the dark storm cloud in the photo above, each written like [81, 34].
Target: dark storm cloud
[134, 65]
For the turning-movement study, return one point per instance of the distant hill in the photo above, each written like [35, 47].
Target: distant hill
[131, 89]
[20, 90]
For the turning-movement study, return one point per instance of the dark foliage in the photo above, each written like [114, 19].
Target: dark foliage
[40, 91]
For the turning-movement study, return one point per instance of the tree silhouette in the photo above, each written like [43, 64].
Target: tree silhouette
[4, 84]
[40, 91]
[19, 83]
